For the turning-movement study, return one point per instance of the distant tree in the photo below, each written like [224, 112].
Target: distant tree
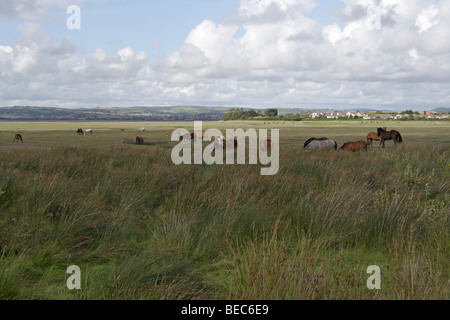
[272, 112]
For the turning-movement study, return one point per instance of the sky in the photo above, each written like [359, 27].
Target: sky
[336, 54]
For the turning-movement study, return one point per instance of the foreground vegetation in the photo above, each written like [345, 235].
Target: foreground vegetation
[140, 227]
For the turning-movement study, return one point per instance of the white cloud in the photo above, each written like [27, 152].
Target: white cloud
[387, 52]
[427, 18]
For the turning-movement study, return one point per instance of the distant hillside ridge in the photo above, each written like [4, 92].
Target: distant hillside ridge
[175, 113]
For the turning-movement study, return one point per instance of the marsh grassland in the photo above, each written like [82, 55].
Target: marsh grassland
[140, 227]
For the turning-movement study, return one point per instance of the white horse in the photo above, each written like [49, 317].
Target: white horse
[220, 142]
[88, 131]
[142, 129]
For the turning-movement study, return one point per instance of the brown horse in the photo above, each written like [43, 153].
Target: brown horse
[186, 136]
[373, 136]
[18, 137]
[265, 145]
[201, 136]
[139, 140]
[354, 146]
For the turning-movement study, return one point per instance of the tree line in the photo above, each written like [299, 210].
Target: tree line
[267, 114]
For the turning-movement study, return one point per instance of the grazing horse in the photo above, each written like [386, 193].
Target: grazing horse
[201, 136]
[226, 144]
[139, 140]
[142, 129]
[89, 131]
[389, 135]
[265, 145]
[80, 131]
[320, 144]
[186, 137]
[373, 136]
[17, 137]
[354, 146]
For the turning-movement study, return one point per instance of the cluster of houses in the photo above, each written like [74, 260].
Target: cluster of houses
[370, 116]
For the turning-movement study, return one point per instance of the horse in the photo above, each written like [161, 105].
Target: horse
[88, 131]
[354, 146]
[265, 145]
[201, 136]
[142, 129]
[80, 131]
[17, 137]
[373, 136]
[186, 137]
[389, 135]
[320, 144]
[139, 140]
[220, 141]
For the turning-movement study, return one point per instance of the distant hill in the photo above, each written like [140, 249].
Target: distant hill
[142, 113]
[174, 113]
[442, 110]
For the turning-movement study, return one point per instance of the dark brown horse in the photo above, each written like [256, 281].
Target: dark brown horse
[187, 137]
[389, 135]
[354, 146]
[139, 140]
[18, 137]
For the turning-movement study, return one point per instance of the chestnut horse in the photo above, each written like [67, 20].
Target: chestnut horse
[201, 136]
[354, 146]
[373, 136]
[265, 145]
[18, 137]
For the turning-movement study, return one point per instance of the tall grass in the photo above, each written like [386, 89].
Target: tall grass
[140, 227]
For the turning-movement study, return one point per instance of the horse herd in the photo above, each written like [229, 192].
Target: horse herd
[381, 135]
[311, 144]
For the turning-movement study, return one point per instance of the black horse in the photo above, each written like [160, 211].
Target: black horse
[389, 135]
[80, 131]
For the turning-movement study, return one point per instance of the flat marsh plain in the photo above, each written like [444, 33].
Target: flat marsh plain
[140, 227]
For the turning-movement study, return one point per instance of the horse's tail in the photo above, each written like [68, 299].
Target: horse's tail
[400, 138]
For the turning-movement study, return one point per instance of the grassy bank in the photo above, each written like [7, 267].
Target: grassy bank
[140, 227]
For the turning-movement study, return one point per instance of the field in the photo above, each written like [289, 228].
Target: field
[140, 227]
